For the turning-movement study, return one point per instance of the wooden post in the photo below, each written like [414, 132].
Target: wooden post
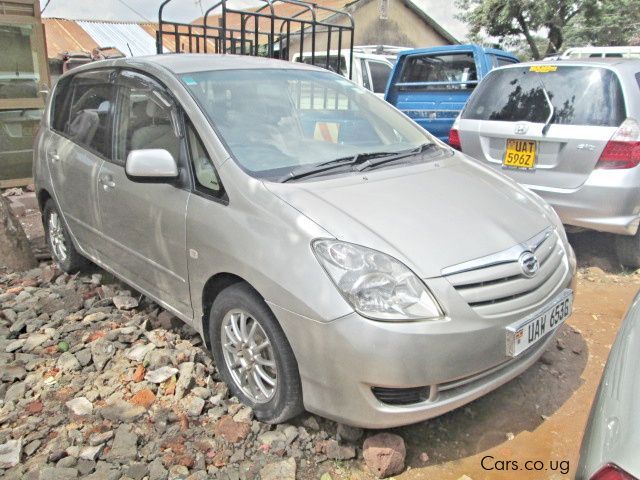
[15, 251]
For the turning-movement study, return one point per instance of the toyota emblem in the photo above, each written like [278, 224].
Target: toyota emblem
[529, 264]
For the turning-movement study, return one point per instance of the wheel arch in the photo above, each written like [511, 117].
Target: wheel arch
[212, 288]
[43, 196]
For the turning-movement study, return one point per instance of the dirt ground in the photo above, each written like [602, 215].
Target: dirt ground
[540, 416]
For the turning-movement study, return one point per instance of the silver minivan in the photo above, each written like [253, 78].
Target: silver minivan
[569, 131]
[332, 254]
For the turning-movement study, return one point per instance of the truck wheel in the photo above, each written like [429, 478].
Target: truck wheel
[253, 355]
[628, 250]
[63, 252]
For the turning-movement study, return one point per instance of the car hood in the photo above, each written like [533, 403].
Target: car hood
[429, 216]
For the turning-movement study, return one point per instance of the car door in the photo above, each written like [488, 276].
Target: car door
[76, 146]
[379, 72]
[144, 223]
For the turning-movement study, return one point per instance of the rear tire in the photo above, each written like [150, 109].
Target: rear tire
[628, 250]
[266, 378]
[63, 252]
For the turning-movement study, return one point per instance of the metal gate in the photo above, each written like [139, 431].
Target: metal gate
[263, 31]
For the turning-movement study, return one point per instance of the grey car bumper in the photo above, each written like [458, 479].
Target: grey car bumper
[609, 201]
[345, 358]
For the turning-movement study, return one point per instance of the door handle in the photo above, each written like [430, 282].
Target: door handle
[107, 182]
[54, 157]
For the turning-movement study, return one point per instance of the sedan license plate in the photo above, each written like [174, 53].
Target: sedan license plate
[520, 154]
[525, 333]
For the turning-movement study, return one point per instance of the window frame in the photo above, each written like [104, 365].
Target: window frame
[370, 61]
[121, 97]
[436, 86]
[112, 73]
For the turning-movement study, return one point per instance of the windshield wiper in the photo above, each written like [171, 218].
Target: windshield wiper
[421, 149]
[351, 161]
[552, 110]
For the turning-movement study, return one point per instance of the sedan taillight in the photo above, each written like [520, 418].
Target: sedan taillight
[454, 139]
[623, 150]
[612, 472]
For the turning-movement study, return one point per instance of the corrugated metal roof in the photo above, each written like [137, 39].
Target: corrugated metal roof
[66, 36]
[129, 38]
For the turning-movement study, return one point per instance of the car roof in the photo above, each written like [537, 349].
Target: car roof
[201, 62]
[455, 48]
[619, 64]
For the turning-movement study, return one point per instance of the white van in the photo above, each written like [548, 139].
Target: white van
[601, 52]
[370, 70]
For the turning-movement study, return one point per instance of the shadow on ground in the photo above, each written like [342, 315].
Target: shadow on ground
[596, 249]
[520, 405]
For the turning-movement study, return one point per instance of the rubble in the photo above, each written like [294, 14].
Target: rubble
[96, 384]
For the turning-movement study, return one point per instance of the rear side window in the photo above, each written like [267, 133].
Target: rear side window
[580, 96]
[448, 71]
[91, 102]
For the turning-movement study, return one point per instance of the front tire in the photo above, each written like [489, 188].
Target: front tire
[63, 252]
[628, 250]
[253, 355]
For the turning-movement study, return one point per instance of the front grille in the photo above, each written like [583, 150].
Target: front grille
[401, 396]
[496, 285]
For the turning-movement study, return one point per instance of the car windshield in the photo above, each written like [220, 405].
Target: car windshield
[580, 96]
[275, 121]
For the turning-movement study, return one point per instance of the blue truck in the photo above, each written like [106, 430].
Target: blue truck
[431, 85]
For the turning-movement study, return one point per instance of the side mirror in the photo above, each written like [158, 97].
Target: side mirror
[151, 165]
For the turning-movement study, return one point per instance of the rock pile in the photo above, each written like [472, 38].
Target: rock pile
[99, 383]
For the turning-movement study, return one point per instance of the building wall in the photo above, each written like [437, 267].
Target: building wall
[403, 27]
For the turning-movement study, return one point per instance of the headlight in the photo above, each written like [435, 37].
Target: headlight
[376, 285]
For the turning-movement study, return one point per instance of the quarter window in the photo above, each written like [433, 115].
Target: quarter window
[204, 172]
[90, 111]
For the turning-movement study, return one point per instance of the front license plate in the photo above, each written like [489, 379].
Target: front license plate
[520, 154]
[525, 333]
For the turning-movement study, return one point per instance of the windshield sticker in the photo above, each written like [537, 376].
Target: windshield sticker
[543, 68]
[327, 131]
[189, 81]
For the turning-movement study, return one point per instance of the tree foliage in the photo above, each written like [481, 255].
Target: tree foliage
[558, 23]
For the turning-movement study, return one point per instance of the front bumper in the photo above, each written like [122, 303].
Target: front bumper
[609, 201]
[457, 360]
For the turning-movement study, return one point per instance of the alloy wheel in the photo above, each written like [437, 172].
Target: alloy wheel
[249, 355]
[56, 238]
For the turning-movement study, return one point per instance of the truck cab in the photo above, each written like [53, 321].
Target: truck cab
[370, 70]
[431, 85]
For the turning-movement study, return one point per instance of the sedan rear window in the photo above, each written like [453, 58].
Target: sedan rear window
[580, 96]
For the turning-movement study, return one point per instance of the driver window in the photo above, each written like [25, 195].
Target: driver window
[203, 169]
[146, 118]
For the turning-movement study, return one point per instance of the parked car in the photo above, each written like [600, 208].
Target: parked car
[568, 131]
[332, 254]
[611, 441]
[370, 70]
[601, 52]
[431, 85]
